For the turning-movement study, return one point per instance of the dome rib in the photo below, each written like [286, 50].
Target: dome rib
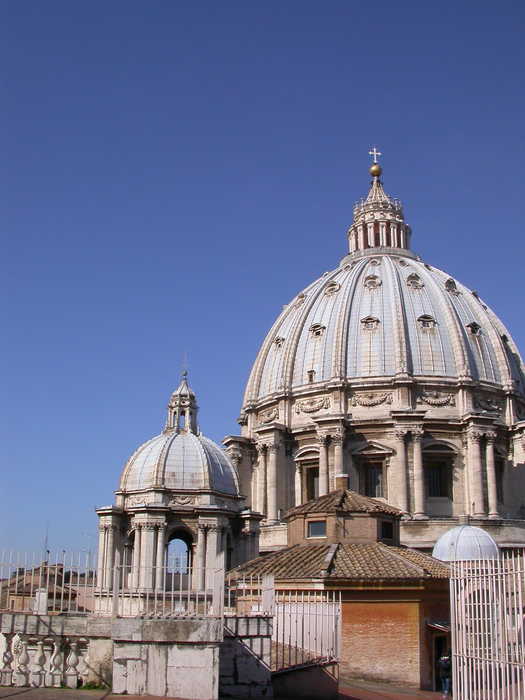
[399, 291]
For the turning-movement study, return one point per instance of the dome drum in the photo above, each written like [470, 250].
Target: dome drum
[388, 350]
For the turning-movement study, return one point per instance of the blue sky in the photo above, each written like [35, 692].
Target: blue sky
[172, 173]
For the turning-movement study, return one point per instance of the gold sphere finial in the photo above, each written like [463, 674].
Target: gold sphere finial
[375, 170]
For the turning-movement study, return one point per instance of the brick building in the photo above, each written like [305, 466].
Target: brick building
[395, 600]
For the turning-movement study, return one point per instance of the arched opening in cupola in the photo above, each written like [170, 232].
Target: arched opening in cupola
[179, 552]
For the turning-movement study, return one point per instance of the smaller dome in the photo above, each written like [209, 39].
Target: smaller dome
[181, 458]
[180, 461]
[465, 542]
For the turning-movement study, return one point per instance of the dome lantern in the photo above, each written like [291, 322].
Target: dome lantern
[378, 223]
[182, 409]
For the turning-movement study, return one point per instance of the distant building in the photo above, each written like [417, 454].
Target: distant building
[392, 372]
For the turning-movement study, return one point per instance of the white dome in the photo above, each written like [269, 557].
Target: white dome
[381, 314]
[180, 462]
[180, 458]
[465, 542]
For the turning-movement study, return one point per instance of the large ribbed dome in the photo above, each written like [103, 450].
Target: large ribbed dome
[383, 313]
[391, 372]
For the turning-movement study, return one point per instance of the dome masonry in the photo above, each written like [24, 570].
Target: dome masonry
[392, 372]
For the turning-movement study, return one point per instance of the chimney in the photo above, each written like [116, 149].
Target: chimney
[341, 481]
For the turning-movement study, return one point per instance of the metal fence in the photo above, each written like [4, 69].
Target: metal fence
[306, 627]
[68, 584]
[488, 632]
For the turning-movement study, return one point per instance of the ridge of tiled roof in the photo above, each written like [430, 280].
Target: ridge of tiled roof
[342, 500]
[375, 561]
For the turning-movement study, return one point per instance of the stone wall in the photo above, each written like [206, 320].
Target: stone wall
[178, 658]
[244, 658]
[167, 658]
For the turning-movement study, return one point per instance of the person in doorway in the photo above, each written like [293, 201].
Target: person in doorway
[445, 674]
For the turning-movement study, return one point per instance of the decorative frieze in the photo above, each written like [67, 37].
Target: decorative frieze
[312, 405]
[487, 403]
[269, 415]
[182, 501]
[436, 398]
[370, 400]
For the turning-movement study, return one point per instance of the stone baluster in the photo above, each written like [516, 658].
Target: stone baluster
[6, 674]
[22, 672]
[37, 674]
[71, 665]
[322, 441]
[298, 483]
[474, 451]
[55, 672]
[401, 470]
[261, 478]
[419, 476]
[273, 448]
[491, 476]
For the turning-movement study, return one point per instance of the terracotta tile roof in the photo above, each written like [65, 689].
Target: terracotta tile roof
[342, 500]
[346, 561]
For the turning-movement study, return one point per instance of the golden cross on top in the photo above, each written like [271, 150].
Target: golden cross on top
[374, 153]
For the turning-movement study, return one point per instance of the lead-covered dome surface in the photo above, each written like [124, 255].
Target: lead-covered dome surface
[464, 543]
[384, 313]
[180, 462]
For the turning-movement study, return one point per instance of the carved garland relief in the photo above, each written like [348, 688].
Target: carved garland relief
[370, 400]
[269, 415]
[312, 405]
[435, 398]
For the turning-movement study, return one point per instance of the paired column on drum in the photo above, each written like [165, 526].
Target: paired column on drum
[419, 476]
[491, 475]
[474, 437]
[322, 441]
[273, 448]
[262, 453]
[401, 469]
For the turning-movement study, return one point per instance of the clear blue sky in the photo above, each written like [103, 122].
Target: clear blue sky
[172, 173]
